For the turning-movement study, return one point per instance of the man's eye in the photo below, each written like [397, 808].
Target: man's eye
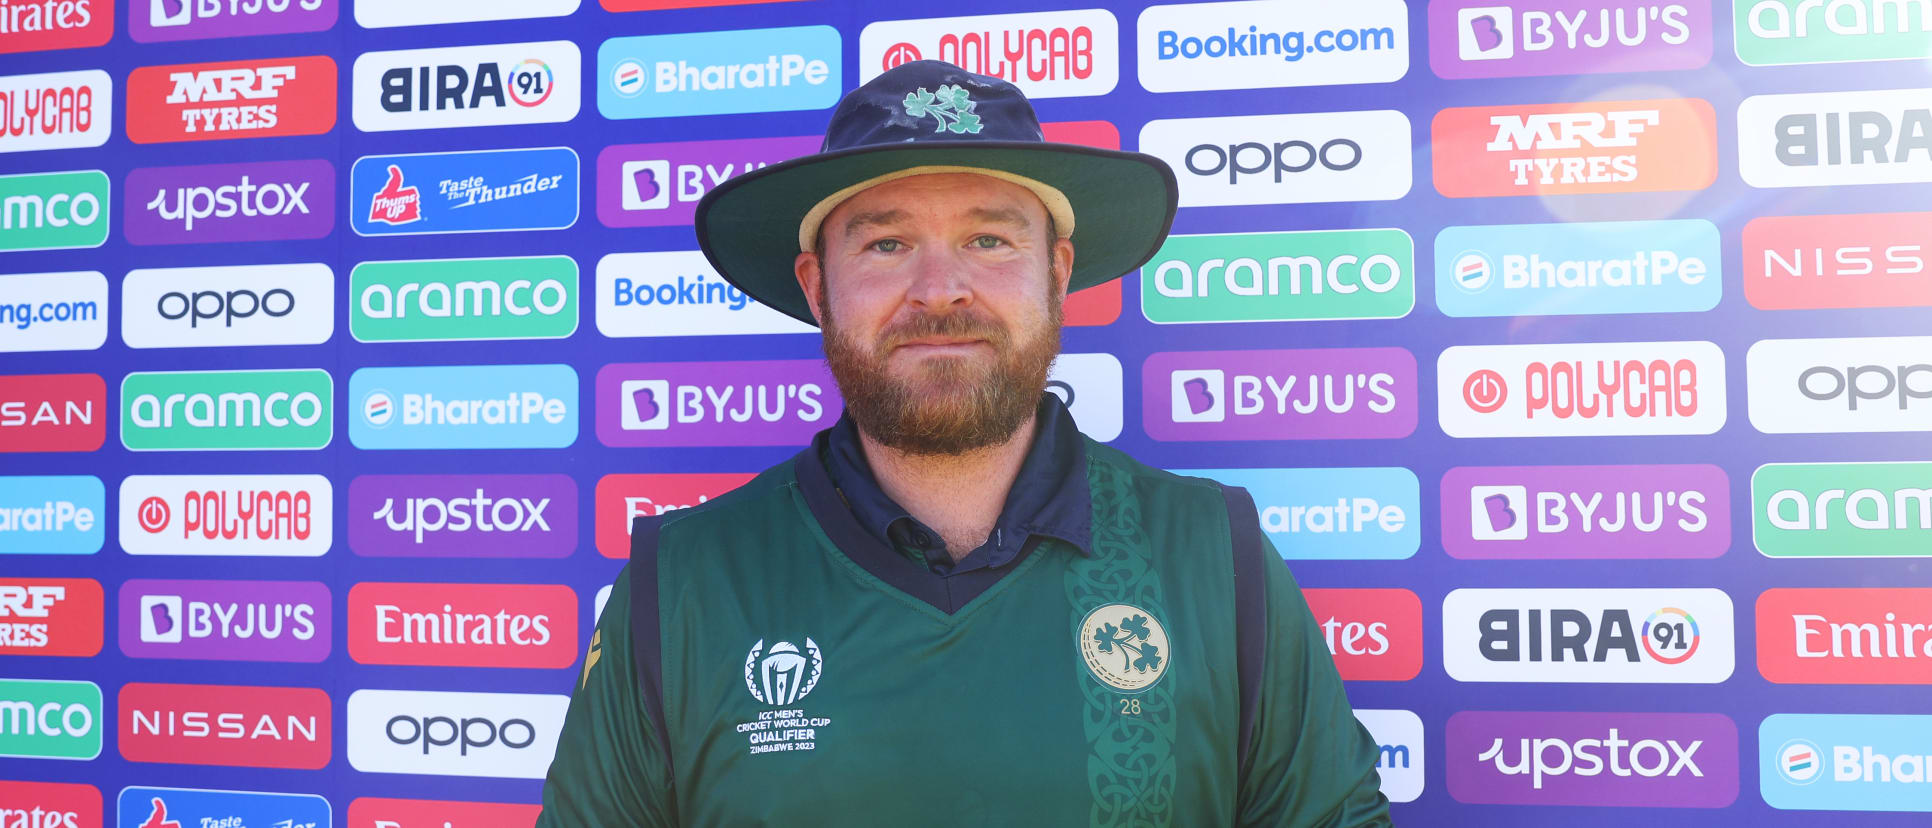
[886, 245]
[988, 241]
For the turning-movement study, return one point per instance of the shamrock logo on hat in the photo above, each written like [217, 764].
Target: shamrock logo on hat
[952, 106]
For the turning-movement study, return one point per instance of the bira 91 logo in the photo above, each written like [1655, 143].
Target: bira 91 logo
[43, 26]
[238, 305]
[218, 724]
[678, 293]
[1835, 138]
[1285, 159]
[1777, 32]
[622, 498]
[225, 620]
[1838, 762]
[463, 625]
[52, 412]
[255, 515]
[1244, 45]
[1313, 394]
[463, 515]
[1648, 760]
[227, 410]
[49, 805]
[436, 12]
[1870, 260]
[1573, 512]
[1635, 636]
[658, 185]
[1047, 54]
[50, 719]
[1277, 277]
[373, 812]
[64, 311]
[463, 406]
[467, 86]
[464, 192]
[504, 735]
[1373, 634]
[1316, 514]
[719, 73]
[54, 110]
[1842, 510]
[1845, 636]
[1579, 268]
[1811, 386]
[257, 201]
[171, 807]
[1575, 148]
[1480, 39]
[759, 403]
[160, 21]
[52, 515]
[231, 99]
[1584, 389]
[53, 211]
[50, 617]
[442, 300]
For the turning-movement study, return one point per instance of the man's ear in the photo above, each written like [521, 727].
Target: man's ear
[1062, 263]
[808, 273]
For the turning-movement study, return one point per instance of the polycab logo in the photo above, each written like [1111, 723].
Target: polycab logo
[1636, 636]
[1480, 39]
[1373, 634]
[225, 620]
[463, 515]
[49, 805]
[1572, 512]
[463, 406]
[372, 812]
[1579, 268]
[43, 27]
[218, 724]
[1651, 760]
[1316, 514]
[53, 211]
[719, 73]
[1845, 636]
[256, 201]
[158, 21]
[1837, 762]
[240, 305]
[1285, 159]
[54, 110]
[1842, 510]
[385, 15]
[50, 720]
[1778, 32]
[227, 410]
[255, 515]
[622, 498]
[1576, 148]
[463, 625]
[758, 403]
[171, 807]
[1584, 389]
[52, 412]
[1313, 394]
[678, 293]
[506, 735]
[482, 191]
[52, 515]
[53, 311]
[1795, 140]
[1873, 260]
[468, 86]
[658, 185]
[1872, 384]
[1399, 751]
[443, 300]
[1243, 45]
[1089, 385]
[1047, 54]
[231, 99]
[1278, 277]
[50, 617]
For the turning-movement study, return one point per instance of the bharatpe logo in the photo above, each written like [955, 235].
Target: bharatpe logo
[50, 617]
[1870, 260]
[1842, 510]
[53, 311]
[464, 192]
[50, 719]
[1399, 751]
[1836, 138]
[256, 201]
[463, 515]
[377, 812]
[1813, 386]
[1576, 148]
[1579, 390]
[1845, 636]
[1577, 512]
[158, 21]
[227, 410]
[52, 412]
[678, 293]
[257, 515]
[142, 807]
[658, 185]
[53, 211]
[1047, 54]
[1373, 634]
[1780, 32]
[719, 73]
[45, 27]
[1479, 39]
[1333, 514]
[504, 735]
[436, 12]
[759, 403]
[1650, 760]
[52, 515]
[231, 99]
[1579, 268]
[1201, 46]
[463, 406]
[441, 300]
[1837, 762]
[1621, 636]
[218, 724]
[468, 86]
[1285, 159]
[463, 625]
[622, 498]
[54, 110]
[285, 621]
[238, 305]
[1278, 277]
[1313, 394]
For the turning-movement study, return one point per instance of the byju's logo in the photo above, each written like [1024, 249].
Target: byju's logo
[218, 724]
[53, 311]
[169, 807]
[225, 620]
[1578, 268]
[463, 625]
[1478, 39]
[198, 307]
[1313, 514]
[1845, 636]
[1047, 54]
[1314, 394]
[1870, 260]
[1836, 762]
[1274, 277]
[231, 99]
[53, 804]
[624, 497]
[1244, 45]
[157, 21]
[1611, 388]
[52, 412]
[464, 192]
[436, 12]
[53, 211]
[50, 617]
[440, 300]
[658, 185]
[1643, 636]
[1400, 754]
[257, 515]
[718, 73]
[50, 719]
[463, 515]
[227, 410]
[678, 293]
[1557, 512]
[463, 406]
[1667, 760]
[1575, 148]
[257, 201]
[761, 403]
[1776, 32]
[1809, 386]
[1842, 510]
[468, 86]
[52, 515]
[1373, 634]
[1835, 138]
[510, 735]
[1285, 159]
[59, 26]
[54, 110]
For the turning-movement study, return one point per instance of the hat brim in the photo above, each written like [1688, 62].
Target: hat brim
[1123, 205]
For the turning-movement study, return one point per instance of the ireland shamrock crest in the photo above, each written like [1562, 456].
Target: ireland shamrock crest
[1124, 646]
[952, 106]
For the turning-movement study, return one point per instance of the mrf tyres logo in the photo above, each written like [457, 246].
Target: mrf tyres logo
[1480, 39]
[463, 625]
[1285, 159]
[50, 719]
[231, 99]
[228, 725]
[1841, 762]
[718, 73]
[54, 110]
[1668, 760]
[1635, 636]
[1842, 510]
[1777, 32]
[440, 300]
[1845, 636]
[463, 406]
[1313, 394]
[283, 621]
[156, 21]
[227, 410]
[1275, 277]
[1812, 386]
[1572, 390]
[53, 211]
[1575, 148]
[502, 735]
[759, 403]
[50, 617]
[1048, 54]
[1245, 45]
[256, 201]
[464, 192]
[463, 515]
[255, 515]
[1836, 138]
[1579, 268]
[467, 86]
[1571, 512]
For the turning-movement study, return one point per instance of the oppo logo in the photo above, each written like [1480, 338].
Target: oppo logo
[1874, 384]
[508, 735]
[228, 306]
[1286, 159]
[1289, 157]
[1867, 382]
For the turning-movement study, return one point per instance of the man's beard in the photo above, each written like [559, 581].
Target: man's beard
[952, 404]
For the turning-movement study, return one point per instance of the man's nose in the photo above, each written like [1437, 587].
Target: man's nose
[940, 282]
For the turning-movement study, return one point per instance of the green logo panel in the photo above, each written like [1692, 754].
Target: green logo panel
[52, 211]
[531, 297]
[1780, 32]
[1280, 277]
[51, 719]
[1842, 510]
[227, 410]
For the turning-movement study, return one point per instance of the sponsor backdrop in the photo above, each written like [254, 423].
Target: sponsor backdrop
[1576, 352]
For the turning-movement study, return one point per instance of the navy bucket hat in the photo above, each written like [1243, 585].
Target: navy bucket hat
[926, 117]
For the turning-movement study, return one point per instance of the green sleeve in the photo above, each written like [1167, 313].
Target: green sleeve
[609, 769]
[1310, 764]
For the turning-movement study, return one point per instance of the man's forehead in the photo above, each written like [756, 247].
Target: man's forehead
[988, 199]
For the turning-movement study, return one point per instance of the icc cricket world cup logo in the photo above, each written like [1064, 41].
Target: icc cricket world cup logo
[782, 675]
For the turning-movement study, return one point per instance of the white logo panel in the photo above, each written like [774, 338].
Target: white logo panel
[85, 100]
[508, 735]
[1399, 751]
[198, 307]
[379, 14]
[1581, 389]
[678, 293]
[1270, 43]
[53, 311]
[467, 86]
[1813, 386]
[1286, 159]
[1089, 385]
[1053, 54]
[1633, 636]
[1821, 139]
[255, 515]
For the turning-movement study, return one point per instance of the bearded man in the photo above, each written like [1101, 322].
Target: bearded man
[953, 608]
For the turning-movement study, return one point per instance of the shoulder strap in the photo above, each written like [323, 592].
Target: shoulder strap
[1250, 608]
[647, 641]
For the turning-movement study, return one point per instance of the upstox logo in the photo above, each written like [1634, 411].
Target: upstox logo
[463, 407]
[53, 211]
[1578, 268]
[1835, 762]
[1285, 159]
[1777, 32]
[227, 410]
[1842, 510]
[1245, 45]
[717, 73]
[1317, 514]
[1639, 636]
[467, 86]
[50, 719]
[1274, 277]
[440, 300]
[1818, 139]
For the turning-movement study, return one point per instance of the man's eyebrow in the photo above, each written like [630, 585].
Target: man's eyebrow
[1001, 215]
[876, 217]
